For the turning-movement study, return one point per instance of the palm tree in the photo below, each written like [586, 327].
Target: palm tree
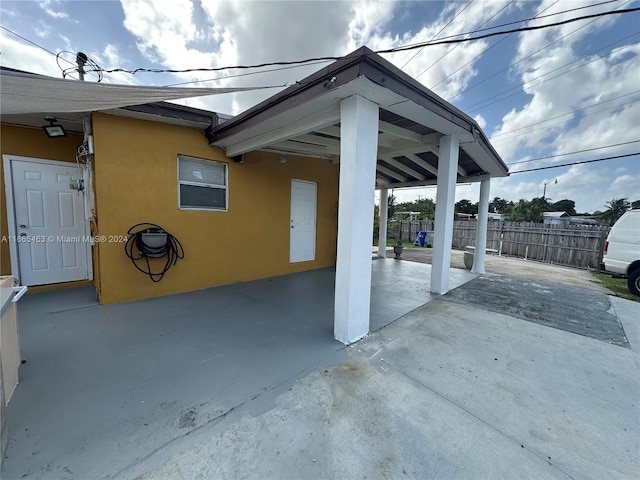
[615, 209]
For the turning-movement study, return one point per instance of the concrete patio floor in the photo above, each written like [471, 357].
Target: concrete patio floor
[246, 381]
[104, 386]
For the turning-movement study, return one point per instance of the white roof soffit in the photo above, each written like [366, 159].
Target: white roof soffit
[22, 93]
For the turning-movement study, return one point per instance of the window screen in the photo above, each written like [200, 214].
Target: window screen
[202, 184]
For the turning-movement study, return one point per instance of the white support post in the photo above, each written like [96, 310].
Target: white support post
[481, 229]
[445, 202]
[358, 151]
[383, 214]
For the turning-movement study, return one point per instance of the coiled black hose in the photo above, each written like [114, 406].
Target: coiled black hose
[150, 241]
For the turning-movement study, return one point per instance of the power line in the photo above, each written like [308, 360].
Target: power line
[527, 20]
[246, 74]
[479, 105]
[441, 30]
[573, 153]
[388, 50]
[33, 43]
[492, 46]
[531, 54]
[564, 115]
[575, 163]
[452, 49]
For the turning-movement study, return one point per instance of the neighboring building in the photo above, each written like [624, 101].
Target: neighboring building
[556, 218]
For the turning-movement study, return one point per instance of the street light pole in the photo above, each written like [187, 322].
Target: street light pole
[544, 191]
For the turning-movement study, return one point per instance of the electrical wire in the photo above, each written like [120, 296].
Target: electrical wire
[573, 153]
[136, 242]
[246, 74]
[495, 45]
[575, 163]
[439, 32]
[526, 20]
[530, 55]
[518, 88]
[456, 46]
[493, 138]
[29, 41]
[388, 50]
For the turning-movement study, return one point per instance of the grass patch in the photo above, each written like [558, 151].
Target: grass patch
[616, 285]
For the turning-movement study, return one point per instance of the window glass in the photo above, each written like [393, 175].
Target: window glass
[202, 184]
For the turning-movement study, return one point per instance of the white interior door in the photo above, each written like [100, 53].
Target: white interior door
[303, 221]
[49, 234]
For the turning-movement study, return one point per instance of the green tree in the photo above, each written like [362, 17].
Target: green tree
[615, 209]
[425, 206]
[525, 211]
[498, 205]
[465, 206]
[635, 204]
[565, 205]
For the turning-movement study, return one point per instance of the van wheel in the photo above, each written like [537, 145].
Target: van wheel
[634, 282]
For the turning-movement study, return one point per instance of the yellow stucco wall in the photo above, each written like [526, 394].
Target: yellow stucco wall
[136, 181]
[29, 142]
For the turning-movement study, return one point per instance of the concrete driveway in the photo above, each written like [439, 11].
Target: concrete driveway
[448, 391]
[452, 389]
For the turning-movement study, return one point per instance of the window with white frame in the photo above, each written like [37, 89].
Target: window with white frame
[202, 184]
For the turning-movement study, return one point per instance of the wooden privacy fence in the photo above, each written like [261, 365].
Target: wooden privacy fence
[571, 245]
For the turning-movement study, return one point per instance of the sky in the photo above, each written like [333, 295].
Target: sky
[569, 93]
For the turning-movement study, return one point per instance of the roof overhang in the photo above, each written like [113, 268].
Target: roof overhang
[304, 119]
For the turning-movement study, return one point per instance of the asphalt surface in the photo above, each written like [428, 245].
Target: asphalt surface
[555, 305]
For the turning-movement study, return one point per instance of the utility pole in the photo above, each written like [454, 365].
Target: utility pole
[81, 60]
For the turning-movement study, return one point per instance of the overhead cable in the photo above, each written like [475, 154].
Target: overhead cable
[573, 153]
[388, 50]
[575, 163]
[530, 55]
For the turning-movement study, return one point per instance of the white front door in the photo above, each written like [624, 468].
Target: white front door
[49, 237]
[303, 221]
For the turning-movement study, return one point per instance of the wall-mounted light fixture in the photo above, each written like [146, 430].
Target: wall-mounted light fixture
[53, 130]
[283, 158]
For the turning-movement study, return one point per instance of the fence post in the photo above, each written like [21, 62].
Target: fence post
[601, 241]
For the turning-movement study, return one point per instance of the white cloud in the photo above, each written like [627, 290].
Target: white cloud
[481, 121]
[48, 7]
[26, 57]
[235, 32]
[601, 78]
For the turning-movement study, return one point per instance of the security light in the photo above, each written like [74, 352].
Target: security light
[53, 130]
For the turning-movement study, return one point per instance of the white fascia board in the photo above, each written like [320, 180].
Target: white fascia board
[480, 156]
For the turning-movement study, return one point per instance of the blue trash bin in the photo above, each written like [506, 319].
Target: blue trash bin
[420, 237]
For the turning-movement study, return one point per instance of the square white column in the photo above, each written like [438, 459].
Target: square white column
[445, 203]
[383, 214]
[481, 229]
[358, 156]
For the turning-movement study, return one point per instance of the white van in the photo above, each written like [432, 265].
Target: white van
[622, 250]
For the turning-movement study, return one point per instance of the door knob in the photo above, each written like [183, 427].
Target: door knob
[22, 234]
